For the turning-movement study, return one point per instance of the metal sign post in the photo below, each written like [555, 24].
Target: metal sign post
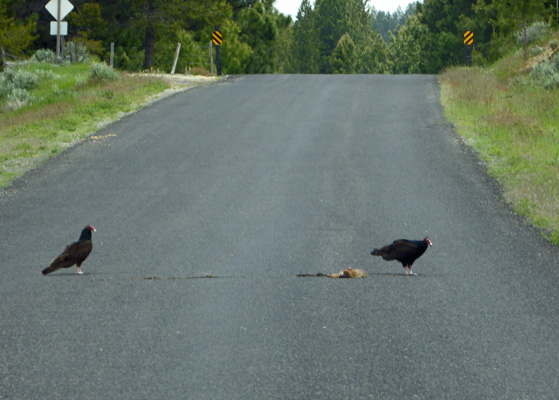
[469, 42]
[59, 9]
[217, 40]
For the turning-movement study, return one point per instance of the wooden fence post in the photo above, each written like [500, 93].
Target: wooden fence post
[211, 57]
[177, 51]
[62, 49]
[70, 44]
[4, 60]
[112, 53]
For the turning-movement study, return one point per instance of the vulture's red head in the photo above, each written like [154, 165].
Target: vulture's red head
[90, 228]
[427, 241]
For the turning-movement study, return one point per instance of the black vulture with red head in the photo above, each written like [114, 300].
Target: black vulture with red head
[73, 254]
[404, 250]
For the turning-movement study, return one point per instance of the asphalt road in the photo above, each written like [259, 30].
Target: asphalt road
[253, 181]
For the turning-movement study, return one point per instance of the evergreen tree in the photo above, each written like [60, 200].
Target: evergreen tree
[16, 37]
[344, 57]
[235, 54]
[443, 46]
[88, 26]
[373, 57]
[305, 52]
[502, 18]
[259, 30]
[405, 48]
[335, 18]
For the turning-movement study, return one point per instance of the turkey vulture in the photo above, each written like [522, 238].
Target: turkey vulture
[74, 253]
[404, 250]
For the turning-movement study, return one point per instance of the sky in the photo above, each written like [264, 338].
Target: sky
[290, 7]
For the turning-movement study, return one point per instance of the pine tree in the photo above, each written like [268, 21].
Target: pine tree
[344, 57]
[305, 52]
[16, 37]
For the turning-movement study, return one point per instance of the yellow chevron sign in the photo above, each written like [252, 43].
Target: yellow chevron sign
[217, 39]
[468, 38]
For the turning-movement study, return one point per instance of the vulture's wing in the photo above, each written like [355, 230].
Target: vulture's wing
[404, 248]
[75, 253]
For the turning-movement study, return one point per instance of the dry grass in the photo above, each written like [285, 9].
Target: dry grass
[63, 116]
[514, 125]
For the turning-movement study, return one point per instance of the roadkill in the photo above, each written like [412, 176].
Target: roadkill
[346, 273]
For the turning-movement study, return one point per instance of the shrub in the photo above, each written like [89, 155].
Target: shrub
[22, 79]
[536, 50]
[102, 72]
[17, 79]
[45, 55]
[70, 51]
[18, 98]
[546, 73]
[534, 32]
[553, 44]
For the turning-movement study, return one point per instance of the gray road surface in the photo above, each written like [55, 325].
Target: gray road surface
[253, 181]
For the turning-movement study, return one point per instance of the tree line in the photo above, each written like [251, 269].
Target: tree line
[327, 36]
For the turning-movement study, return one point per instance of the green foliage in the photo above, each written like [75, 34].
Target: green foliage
[536, 50]
[235, 54]
[15, 86]
[305, 53]
[332, 20]
[533, 33]
[405, 48]
[18, 79]
[513, 124]
[44, 55]
[546, 73]
[90, 27]
[82, 51]
[193, 54]
[386, 23]
[101, 72]
[553, 237]
[17, 98]
[63, 111]
[16, 36]
[426, 38]
[373, 57]
[259, 29]
[344, 57]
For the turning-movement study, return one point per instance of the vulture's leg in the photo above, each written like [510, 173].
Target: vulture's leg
[80, 272]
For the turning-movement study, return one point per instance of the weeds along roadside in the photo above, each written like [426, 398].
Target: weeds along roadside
[508, 113]
[45, 107]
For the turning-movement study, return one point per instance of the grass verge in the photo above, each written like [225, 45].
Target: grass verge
[513, 123]
[68, 103]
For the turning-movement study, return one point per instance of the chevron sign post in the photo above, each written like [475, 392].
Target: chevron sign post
[59, 9]
[217, 40]
[469, 42]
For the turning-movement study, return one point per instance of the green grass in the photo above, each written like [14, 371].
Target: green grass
[67, 106]
[513, 123]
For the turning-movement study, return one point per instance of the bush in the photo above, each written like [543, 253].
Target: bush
[70, 52]
[45, 55]
[102, 72]
[18, 98]
[546, 73]
[553, 44]
[536, 50]
[17, 79]
[534, 32]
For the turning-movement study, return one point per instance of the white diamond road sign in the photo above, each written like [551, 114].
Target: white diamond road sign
[65, 8]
